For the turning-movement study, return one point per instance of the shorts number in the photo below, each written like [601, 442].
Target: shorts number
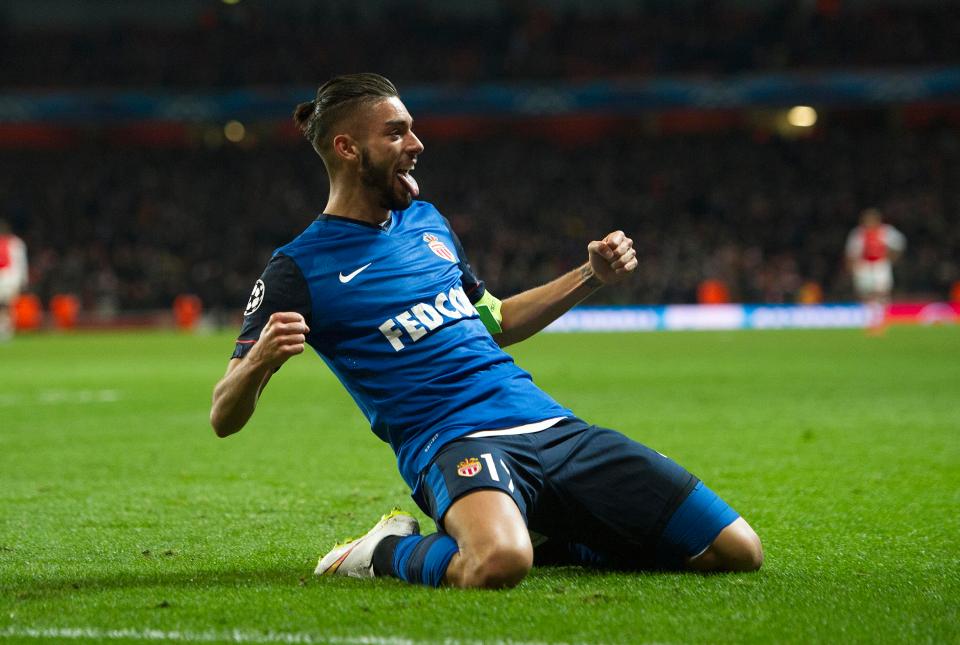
[492, 467]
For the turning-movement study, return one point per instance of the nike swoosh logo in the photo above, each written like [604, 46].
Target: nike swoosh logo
[332, 569]
[350, 276]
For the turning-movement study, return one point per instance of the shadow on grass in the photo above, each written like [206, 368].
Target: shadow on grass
[286, 576]
[282, 577]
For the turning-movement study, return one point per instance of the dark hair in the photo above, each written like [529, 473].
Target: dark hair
[335, 99]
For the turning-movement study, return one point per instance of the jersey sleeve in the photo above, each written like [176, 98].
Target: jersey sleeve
[281, 287]
[895, 239]
[487, 305]
[19, 253]
[854, 245]
[472, 285]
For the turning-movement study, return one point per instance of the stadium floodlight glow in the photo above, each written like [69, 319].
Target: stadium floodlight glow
[234, 131]
[802, 116]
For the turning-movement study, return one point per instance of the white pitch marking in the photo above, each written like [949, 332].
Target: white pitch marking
[9, 400]
[61, 397]
[232, 636]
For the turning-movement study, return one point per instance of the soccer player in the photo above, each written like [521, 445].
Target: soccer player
[379, 286]
[13, 275]
[871, 249]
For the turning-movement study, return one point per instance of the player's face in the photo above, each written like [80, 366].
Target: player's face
[389, 155]
[871, 218]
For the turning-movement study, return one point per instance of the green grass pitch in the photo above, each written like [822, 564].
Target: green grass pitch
[123, 518]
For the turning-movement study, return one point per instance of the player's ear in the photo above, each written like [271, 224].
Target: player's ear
[345, 147]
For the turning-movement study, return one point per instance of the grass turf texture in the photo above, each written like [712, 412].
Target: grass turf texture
[120, 510]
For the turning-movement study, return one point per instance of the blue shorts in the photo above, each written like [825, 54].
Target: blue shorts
[586, 491]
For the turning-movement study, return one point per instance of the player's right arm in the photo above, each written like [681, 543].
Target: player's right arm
[235, 395]
[275, 328]
[853, 249]
[20, 262]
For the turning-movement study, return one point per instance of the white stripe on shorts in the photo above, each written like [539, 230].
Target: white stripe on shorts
[528, 428]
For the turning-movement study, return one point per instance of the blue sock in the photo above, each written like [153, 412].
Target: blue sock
[556, 553]
[419, 559]
[587, 556]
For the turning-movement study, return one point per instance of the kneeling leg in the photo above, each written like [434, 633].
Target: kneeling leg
[495, 549]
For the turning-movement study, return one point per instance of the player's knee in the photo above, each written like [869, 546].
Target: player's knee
[737, 548]
[743, 551]
[501, 567]
[750, 557]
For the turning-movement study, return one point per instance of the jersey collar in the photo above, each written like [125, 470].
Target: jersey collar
[385, 226]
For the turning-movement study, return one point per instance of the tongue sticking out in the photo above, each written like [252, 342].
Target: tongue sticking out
[409, 183]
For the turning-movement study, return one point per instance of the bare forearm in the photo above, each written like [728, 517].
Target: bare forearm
[235, 396]
[527, 313]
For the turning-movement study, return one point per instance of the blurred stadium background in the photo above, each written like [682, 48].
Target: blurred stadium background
[149, 154]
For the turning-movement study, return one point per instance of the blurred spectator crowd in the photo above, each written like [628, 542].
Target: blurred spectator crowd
[270, 43]
[129, 229]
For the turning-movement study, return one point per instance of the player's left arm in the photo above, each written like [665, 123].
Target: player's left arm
[896, 243]
[609, 261]
[20, 262]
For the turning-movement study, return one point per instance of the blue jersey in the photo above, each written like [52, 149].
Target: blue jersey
[390, 310]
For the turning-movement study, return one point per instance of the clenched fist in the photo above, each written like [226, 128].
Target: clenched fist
[613, 258]
[283, 336]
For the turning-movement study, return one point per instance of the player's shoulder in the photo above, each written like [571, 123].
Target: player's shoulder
[316, 237]
[283, 268]
[420, 209]
[421, 214]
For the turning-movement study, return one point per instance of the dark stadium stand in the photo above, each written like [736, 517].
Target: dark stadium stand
[270, 43]
[128, 199]
[130, 228]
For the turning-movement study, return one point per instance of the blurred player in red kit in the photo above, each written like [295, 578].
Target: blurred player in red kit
[872, 248]
[13, 275]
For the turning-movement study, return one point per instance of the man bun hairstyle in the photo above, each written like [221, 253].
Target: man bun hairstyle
[337, 98]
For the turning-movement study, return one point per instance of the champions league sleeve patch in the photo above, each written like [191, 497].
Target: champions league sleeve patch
[288, 292]
[256, 298]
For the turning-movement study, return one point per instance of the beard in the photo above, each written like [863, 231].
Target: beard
[382, 180]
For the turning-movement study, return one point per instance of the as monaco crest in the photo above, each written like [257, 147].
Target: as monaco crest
[438, 247]
[469, 467]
